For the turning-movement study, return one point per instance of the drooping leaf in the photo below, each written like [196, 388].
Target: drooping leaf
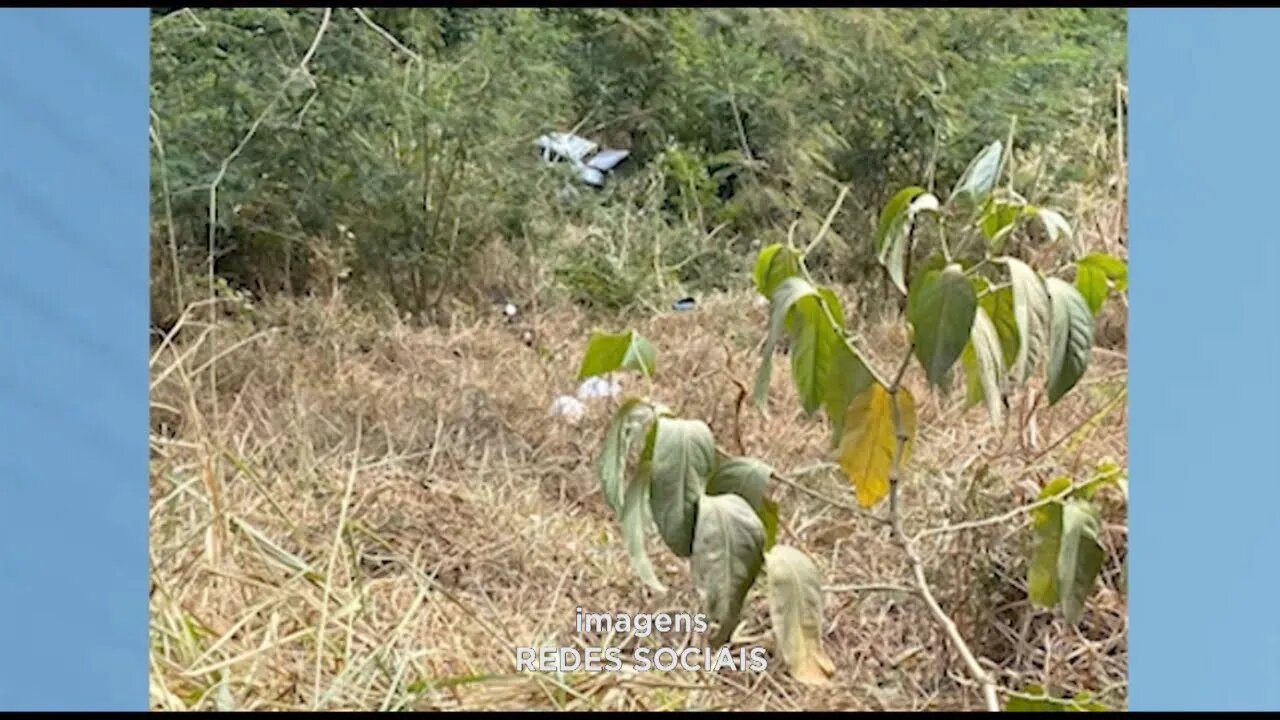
[1055, 226]
[981, 174]
[742, 476]
[608, 353]
[683, 459]
[769, 518]
[894, 228]
[774, 264]
[784, 297]
[627, 424]
[1042, 575]
[1080, 556]
[636, 519]
[941, 308]
[728, 552]
[998, 305]
[988, 365]
[795, 609]
[867, 448]
[849, 377]
[1070, 337]
[814, 346]
[1031, 313]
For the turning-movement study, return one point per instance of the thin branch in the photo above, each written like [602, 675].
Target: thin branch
[917, 566]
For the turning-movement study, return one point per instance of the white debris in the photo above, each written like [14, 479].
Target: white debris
[569, 408]
[762, 301]
[509, 310]
[581, 153]
[599, 387]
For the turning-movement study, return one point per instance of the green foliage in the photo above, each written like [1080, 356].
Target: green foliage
[941, 308]
[1034, 699]
[716, 512]
[403, 149]
[608, 353]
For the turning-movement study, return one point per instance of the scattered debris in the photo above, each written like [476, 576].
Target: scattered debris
[686, 303]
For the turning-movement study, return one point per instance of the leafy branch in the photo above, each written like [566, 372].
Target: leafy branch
[712, 507]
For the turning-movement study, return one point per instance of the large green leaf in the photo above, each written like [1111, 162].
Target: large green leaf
[814, 346]
[1031, 313]
[1070, 337]
[774, 264]
[988, 365]
[999, 219]
[798, 309]
[742, 476]
[636, 518]
[941, 308]
[630, 419]
[683, 459]
[795, 609]
[728, 551]
[608, 353]
[1079, 556]
[787, 293]
[981, 174]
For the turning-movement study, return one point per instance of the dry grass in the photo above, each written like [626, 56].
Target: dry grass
[349, 516]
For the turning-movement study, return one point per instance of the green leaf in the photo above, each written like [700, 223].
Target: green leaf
[742, 476]
[998, 305]
[636, 519]
[814, 346]
[627, 422]
[1080, 556]
[683, 459]
[1091, 283]
[1031, 313]
[728, 552]
[786, 295]
[1042, 575]
[774, 264]
[988, 365]
[1115, 269]
[624, 351]
[999, 220]
[941, 309]
[1096, 274]
[769, 518]
[981, 174]
[849, 378]
[795, 609]
[1070, 337]
[894, 228]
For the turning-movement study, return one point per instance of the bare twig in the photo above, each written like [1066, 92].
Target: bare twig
[948, 625]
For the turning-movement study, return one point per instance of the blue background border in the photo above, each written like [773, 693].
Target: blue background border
[73, 359]
[1205, 345]
[1204, 355]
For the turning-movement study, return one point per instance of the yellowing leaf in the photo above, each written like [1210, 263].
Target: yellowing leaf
[795, 607]
[868, 445]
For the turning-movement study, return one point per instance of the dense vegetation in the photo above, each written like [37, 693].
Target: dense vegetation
[391, 150]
